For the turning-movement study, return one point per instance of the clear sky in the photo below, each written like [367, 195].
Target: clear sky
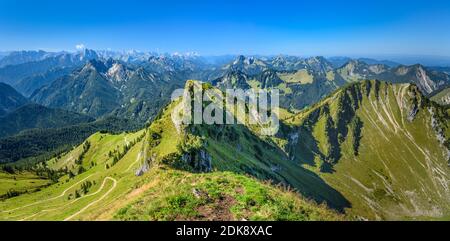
[215, 27]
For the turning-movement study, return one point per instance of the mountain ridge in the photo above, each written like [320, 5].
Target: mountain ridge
[326, 152]
[10, 99]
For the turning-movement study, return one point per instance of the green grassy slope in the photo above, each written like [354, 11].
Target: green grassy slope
[371, 149]
[377, 144]
[180, 195]
[108, 190]
[241, 149]
[18, 183]
[356, 150]
[58, 201]
[442, 97]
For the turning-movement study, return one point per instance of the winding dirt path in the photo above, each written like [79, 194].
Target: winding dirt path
[98, 200]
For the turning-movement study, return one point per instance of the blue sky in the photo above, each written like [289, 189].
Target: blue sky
[327, 28]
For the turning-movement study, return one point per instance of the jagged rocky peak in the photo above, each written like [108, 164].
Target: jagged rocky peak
[319, 64]
[141, 72]
[248, 65]
[88, 54]
[417, 69]
[281, 59]
[316, 59]
[143, 75]
[153, 58]
[424, 79]
[428, 81]
[162, 63]
[113, 70]
[240, 60]
[287, 63]
[95, 65]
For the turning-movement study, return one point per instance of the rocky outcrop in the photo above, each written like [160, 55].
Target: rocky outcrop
[143, 169]
[200, 160]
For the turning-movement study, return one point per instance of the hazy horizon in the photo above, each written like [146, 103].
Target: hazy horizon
[406, 59]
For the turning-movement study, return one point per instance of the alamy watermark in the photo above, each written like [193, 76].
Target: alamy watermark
[202, 104]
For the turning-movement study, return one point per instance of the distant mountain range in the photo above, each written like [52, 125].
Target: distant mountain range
[121, 83]
[303, 82]
[29, 70]
[352, 134]
[100, 87]
[426, 79]
[355, 150]
[10, 99]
